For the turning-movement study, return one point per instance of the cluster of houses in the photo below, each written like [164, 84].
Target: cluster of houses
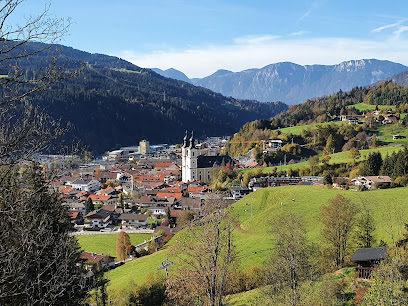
[379, 117]
[152, 188]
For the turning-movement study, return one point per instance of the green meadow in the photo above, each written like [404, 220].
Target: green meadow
[106, 243]
[296, 130]
[337, 158]
[252, 235]
[368, 107]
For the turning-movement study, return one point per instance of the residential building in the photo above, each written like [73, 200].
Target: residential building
[133, 220]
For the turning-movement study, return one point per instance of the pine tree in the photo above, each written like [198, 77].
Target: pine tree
[329, 149]
[39, 260]
[89, 206]
[373, 164]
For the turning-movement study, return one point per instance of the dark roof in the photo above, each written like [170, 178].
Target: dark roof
[139, 217]
[209, 161]
[369, 254]
[81, 181]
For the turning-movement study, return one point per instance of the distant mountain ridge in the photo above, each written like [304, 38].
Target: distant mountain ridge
[293, 84]
[172, 74]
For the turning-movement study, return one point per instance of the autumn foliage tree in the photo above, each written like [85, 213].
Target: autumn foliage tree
[122, 243]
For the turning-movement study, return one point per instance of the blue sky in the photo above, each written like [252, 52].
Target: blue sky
[200, 37]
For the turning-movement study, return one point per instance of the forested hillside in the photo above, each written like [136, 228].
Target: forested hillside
[320, 110]
[114, 103]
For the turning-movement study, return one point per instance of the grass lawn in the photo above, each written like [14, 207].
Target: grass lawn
[388, 130]
[252, 236]
[296, 130]
[368, 107]
[106, 243]
[343, 157]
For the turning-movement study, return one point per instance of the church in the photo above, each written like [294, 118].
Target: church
[196, 167]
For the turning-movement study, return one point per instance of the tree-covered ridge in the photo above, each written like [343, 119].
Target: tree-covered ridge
[114, 103]
[320, 110]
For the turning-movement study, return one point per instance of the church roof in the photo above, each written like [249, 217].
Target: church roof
[210, 161]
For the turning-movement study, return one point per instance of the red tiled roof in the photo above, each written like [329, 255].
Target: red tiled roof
[102, 198]
[67, 189]
[82, 194]
[177, 195]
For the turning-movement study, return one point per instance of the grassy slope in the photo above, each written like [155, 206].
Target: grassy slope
[367, 107]
[295, 130]
[254, 236]
[388, 130]
[106, 243]
[339, 158]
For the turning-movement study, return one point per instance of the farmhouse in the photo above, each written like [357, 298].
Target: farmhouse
[371, 182]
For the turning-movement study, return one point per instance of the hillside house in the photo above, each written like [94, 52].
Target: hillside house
[238, 192]
[371, 182]
[97, 262]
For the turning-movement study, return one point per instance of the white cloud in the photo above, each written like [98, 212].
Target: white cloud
[399, 31]
[255, 39]
[388, 26]
[298, 33]
[315, 4]
[247, 53]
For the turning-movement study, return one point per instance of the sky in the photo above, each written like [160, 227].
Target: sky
[200, 37]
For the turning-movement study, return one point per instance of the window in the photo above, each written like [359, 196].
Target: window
[193, 153]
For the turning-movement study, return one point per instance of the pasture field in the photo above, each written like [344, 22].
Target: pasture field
[252, 236]
[106, 243]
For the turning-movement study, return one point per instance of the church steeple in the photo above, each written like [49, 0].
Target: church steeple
[185, 141]
[192, 145]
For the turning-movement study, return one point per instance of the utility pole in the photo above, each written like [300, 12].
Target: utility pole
[164, 265]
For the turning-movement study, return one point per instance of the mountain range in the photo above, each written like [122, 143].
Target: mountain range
[114, 103]
[294, 84]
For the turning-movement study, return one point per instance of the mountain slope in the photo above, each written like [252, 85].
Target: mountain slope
[401, 78]
[293, 84]
[172, 74]
[114, 103]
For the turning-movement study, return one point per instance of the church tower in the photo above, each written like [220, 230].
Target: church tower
[183, 159]
[190, 156]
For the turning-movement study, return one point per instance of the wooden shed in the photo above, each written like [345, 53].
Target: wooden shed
[367, 259]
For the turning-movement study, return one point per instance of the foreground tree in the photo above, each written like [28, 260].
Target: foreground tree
[338, 219]
[292, 259]
[206, 257]
[39, 260]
